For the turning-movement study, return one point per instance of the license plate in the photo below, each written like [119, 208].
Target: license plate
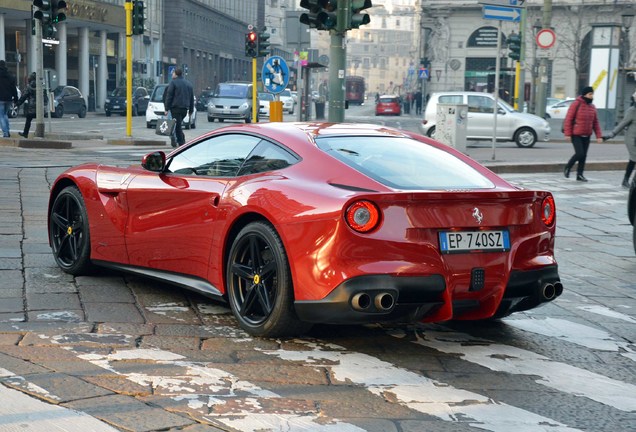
[115, 106]
[474, 241]
[226, 111]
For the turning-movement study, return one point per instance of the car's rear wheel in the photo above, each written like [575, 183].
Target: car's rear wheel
[108, 113]
[59, 111]
[431, 132]
[69, 232]
[259, 284]
[525, 137]
[82, 112]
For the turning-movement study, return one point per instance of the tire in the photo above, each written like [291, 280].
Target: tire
[149, 125]
[108, 113]
[82, 112]
[221, 120]
[525, 137]
[248, 118]
[193, 125]
[431, 132]
[135, 111]
[259, 286]
[59, 111]
[211, 119]
[69, 232]
[634, 237]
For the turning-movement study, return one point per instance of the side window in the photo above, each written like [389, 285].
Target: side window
[267, 157]
[480, 104]
[451, 99]
[218, 156]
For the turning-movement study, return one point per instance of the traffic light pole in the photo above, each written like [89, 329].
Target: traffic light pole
[338, 55]
[543, 65]
[128, 6]
[39, 66]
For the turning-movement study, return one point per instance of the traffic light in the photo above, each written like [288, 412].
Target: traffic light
[321, 15]
[57, 11]
[358, 18]
[43, 11]
[138, 18]
[262, 43]
[251, 44]
[514, 45]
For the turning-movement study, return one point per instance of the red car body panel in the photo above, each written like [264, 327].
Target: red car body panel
[184, 224]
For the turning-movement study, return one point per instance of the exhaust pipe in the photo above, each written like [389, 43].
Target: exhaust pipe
[361, 301]
[384, 301]
[548, 292]
[558, 288]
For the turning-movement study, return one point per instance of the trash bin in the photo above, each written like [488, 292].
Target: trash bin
[320, 110]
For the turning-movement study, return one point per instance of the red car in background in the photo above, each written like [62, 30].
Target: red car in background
[301, 223]
[388, 105]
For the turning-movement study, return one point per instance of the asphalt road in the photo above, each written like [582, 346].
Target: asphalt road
[115, 352]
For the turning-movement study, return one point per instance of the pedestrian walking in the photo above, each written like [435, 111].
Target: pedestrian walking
[629, 122]
[29, 97]
[579, 124]
[8, 94]
[179, 101]
[418, 102]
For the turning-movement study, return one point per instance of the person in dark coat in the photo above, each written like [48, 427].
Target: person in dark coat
[29, 96]
[629, 122]
[8, 94]
[579, 124]
[179, 101]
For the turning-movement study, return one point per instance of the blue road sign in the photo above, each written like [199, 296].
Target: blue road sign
[502, 13]
[275, 74]
[171, 69]
[423, 73]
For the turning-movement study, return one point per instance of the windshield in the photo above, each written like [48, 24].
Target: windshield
[404, 163]
[157, 95]
[119, 91]
[266, 96]
[238, 91]
[58, 90]
[286, 93]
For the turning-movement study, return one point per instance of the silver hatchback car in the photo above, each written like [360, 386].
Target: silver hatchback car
[231, 101]
[522, 128]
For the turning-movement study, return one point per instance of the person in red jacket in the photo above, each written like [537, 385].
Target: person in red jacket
[579, 124]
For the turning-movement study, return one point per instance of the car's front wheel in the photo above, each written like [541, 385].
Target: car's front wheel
[259, 285]
[69, 232]
[59, 111]
[82, 112]
[431, 132]
[525, 137]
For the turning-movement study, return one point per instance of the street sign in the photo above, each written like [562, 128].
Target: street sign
[275, 74]
[502, 13]
[546, 38]
[423, 73]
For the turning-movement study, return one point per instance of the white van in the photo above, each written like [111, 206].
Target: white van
[522, 128]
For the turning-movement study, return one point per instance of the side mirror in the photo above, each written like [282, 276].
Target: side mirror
[155, 161]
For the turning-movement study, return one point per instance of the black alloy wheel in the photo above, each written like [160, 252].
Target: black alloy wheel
[259, 285]
[69, 232]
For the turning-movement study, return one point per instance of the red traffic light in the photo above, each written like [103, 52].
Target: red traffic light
[251, 36]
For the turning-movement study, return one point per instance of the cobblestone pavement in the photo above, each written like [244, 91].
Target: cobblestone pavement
[144, 356]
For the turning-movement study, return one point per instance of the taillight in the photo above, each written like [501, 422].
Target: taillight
[548, 210]
[362, 216]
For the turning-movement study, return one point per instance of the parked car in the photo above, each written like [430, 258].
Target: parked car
[68, 100]
[631, 210]
[13, 108]
[157, 110]
[116, 101]
[388, 104]
[559, 109]
[231, 101]
[522, 128]
[203, 99]
[288, 101]
[300, 223]
[264, 100]
[295, 97]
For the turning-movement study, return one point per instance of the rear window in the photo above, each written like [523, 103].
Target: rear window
[451, 99]
[157, 95]
[388, 100]
[403, 163]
